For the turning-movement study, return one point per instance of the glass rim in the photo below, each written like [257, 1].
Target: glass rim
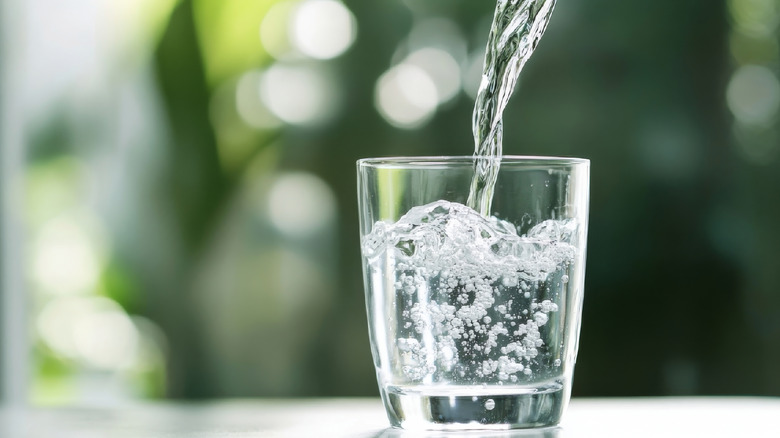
[460, 160]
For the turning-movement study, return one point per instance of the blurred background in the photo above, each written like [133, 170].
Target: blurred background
[179, 202]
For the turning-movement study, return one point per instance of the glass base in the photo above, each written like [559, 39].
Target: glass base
[475, 408]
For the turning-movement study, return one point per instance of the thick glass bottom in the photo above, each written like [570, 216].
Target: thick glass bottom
[475, 407]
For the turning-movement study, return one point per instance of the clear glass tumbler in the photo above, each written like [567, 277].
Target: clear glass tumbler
[474, 321]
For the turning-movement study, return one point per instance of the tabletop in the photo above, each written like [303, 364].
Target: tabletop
[353, 418]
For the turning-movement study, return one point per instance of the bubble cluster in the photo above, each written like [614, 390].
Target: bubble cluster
[475, 297]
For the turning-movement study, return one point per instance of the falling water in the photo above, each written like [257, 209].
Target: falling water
[517, 27]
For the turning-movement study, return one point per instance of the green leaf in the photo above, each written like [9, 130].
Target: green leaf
[229, 33]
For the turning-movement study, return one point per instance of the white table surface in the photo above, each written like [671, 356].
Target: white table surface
[597, 418]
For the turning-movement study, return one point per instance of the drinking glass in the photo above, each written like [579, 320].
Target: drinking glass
[473, 319]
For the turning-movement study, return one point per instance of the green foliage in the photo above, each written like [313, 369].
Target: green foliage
[119, 285]
[229, 34]
[52, 383]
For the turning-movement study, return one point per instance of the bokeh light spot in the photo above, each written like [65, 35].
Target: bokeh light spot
[323, 29]
[274, 34]
[757, 18]
[297, 95]
[66, 257]
[106, 339]
[441, 67]
[95, 330]
[249, 105]
[753, 95]
[406, 96]
[301, 204]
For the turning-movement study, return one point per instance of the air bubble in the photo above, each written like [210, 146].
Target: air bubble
[490, 404]
[541, 318]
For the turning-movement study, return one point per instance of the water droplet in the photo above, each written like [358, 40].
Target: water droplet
[565, 279]
[490, 404]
